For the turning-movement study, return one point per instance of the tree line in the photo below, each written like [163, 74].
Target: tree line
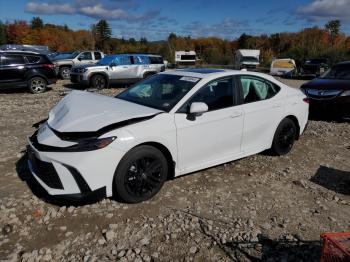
[328, 42]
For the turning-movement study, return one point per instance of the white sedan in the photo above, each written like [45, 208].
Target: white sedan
[168, 125]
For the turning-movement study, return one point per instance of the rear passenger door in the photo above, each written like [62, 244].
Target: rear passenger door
[13, 69]
[262, 112]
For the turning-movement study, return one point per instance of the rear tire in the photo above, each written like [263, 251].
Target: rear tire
[140, 174]
[284, 137]
[37, 85]
[64, 72]
[98, 82]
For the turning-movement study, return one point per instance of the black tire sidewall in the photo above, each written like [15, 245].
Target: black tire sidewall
[30, 85]
[93, 81]
[119, 189]
[276, 148]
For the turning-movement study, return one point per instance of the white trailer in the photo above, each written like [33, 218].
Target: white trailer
[185, 58]
[247, 58]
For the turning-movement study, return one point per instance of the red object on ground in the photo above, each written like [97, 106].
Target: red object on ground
[335, 247]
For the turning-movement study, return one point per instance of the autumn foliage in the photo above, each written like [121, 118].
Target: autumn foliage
[307, 43]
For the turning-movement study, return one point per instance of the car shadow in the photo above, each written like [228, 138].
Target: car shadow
[333, 179]
[17, 90]
[24, 174]
[266, 249]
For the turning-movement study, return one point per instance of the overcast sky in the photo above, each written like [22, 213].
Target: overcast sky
[155, 19]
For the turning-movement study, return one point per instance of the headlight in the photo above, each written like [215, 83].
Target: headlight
[345, 93]
[91, 144]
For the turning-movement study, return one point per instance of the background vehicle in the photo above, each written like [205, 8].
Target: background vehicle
[330, 94]
[314, 67]
[65, 61]
[118, 69]
[185, 58]
[247, 58]
[170, 124]
[41, 49]
[283, 67]
[26, 69]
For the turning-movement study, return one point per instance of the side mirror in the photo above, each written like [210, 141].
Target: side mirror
[112, 64]
[79, 58]
[198, 108]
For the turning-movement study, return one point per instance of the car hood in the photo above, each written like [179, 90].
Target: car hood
[82, 111]
[327, 84]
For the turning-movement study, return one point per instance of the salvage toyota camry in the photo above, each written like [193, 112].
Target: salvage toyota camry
[170, 124]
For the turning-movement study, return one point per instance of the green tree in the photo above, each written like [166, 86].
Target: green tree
[36, 23]
[333, 28]
[3, 36]
[103, 33]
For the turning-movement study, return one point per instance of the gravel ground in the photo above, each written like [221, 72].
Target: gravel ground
[258, 208]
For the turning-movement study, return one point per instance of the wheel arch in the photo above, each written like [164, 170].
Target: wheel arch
[30, 77]
[165, 151]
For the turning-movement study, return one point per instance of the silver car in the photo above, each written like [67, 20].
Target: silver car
[117, 69]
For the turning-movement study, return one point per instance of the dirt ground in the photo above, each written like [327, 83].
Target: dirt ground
[258, 208]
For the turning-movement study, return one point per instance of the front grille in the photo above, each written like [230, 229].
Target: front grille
[45, 171]
[322, 94]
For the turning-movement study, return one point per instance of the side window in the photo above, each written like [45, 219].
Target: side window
[256, 89]
[98, 55]
[12, 60]
[123, 60]
[85, 56]
[217, 94]
[156, 60]
[33, 59]
[140, 60]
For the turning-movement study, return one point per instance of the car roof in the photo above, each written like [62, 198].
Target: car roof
[18, 52]
[344, 63]
[210, 72]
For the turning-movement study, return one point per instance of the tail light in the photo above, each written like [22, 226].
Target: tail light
[50, 66]
[306, 100]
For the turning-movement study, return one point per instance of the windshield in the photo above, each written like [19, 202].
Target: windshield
[160, 91]
[68, 55]
[106, 60]
[342, 73]
[250, 59]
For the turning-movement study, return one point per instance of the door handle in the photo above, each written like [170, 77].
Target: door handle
[125, 67]
[277, 105]
[236, 114]
[20, 67]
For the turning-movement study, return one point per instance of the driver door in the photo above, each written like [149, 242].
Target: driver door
[215, 136]
[85, 58]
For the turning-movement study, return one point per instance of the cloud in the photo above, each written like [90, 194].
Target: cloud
[109, 10]
[99, 12]
[326, 9]
[49, 9]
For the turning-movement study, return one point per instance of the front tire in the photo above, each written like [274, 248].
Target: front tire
[64, 72]
[98, 82]
[37, 85]
[284, 137]
[140, 174]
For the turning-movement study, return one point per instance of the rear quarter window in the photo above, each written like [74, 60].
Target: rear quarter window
[31, 59]
[156, 60]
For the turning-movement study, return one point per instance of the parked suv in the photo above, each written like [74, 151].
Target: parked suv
[118, 69]
[65, 61]
[315, 67]
[26, 69]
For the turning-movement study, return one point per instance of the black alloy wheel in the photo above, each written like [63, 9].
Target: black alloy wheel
[284, 138]
[140, 174]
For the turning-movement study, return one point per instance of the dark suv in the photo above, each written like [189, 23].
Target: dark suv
[26, 69]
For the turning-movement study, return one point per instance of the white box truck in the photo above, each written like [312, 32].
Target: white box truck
[185, 58]
[247, 58]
